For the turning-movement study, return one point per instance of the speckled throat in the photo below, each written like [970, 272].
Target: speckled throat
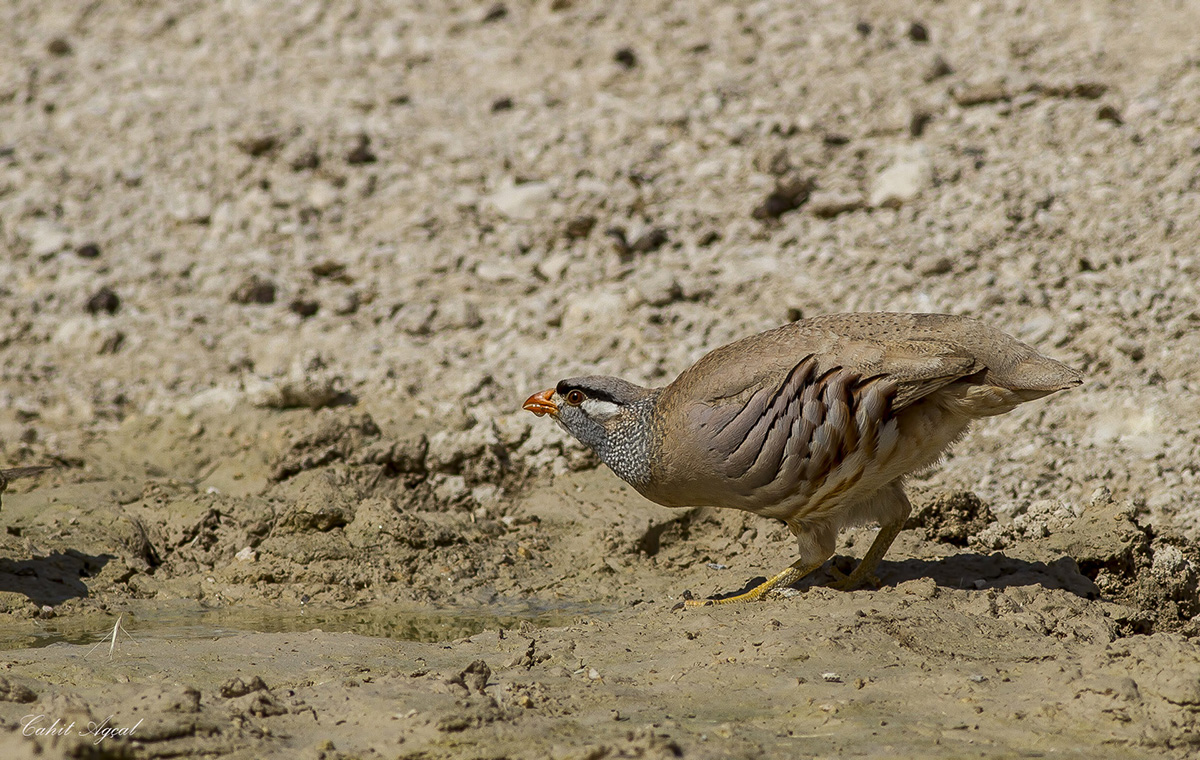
[626, 449]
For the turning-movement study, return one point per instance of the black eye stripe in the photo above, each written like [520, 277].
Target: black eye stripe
[563, 389]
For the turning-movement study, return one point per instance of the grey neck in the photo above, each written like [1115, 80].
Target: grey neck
[627, 447]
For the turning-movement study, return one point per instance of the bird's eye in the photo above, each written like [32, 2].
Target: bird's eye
[575, 398]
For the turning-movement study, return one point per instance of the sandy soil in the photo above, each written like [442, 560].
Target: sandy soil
[276, 277]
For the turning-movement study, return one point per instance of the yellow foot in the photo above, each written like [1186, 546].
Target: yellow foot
[793, 573]
[843, 582]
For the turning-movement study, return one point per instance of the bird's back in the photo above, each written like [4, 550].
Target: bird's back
[914, 349]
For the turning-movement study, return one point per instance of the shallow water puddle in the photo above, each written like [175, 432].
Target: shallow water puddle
[188, 620]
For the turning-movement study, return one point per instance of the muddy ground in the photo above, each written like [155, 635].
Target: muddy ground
[276, 277]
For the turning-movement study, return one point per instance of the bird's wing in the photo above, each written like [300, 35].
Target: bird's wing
[800, 414]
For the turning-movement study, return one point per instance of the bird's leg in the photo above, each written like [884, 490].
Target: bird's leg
[797, 570]
[890, 507]
[865, 572]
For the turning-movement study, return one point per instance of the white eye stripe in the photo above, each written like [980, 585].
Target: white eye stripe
[599, 409]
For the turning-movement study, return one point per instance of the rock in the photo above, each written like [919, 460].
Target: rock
[580, 226]
[1109, 112]
[917, 123]
[495, 13]
[254, 290]
[190, 208]
[456, 314]
[322, 195]
[918, 32]
[938, 68]
[301, 155]
[903, 181]
[499, 271]
[789, 194]
[934, 264]
[658, 288]
[59, 46]
[827, 204]
[967, 95]
[416, 318]
[46, 238]
[346, 302]
[524, 201]
[87, 335]
[626, 58]
[104, 300]
[361, 153]
[88, 251]
[1085, 90]
[552, 267]
[649, 241]
[304, 307]
[258, 145]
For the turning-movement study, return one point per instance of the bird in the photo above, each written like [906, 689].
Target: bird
[816, 423]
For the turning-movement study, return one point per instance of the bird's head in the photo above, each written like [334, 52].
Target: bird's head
[609, 415]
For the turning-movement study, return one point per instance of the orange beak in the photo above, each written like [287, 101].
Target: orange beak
[540, 403]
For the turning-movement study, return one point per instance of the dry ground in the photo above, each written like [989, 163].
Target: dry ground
[275, 278]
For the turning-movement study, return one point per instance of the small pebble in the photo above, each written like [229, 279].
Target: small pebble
[937, 69]
[254, 290]
[304, 307]
[495, 13]
[104, 300]
[1108, 112]
[979, 94]
[787, 196]
[361, 153]
[626, 57]
[649, 241]
[580, 226]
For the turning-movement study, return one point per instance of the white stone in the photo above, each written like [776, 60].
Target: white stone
[525, 201]
[903, 181]
[46, 238]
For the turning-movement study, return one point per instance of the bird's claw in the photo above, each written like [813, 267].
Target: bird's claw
[843, 582]
[691, 602]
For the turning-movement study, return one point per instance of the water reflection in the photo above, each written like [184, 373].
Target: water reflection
[189, 620]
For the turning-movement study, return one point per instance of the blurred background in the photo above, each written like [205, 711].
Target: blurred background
[435, 209]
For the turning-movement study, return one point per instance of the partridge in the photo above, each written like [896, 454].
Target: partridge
[815, 423]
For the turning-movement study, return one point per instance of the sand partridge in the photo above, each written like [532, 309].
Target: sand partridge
[815, 423]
